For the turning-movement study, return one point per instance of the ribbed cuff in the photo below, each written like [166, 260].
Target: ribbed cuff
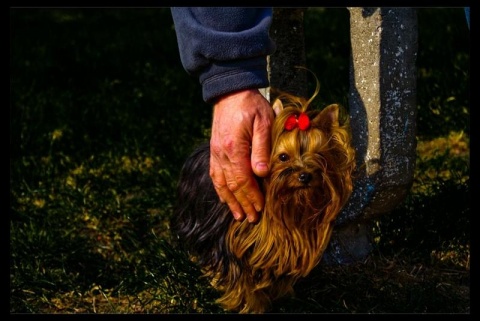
[223, 78]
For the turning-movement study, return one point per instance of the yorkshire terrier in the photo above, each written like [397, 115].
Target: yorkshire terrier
[310, 180]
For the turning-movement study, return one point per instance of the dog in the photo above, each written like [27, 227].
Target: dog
[311, 169]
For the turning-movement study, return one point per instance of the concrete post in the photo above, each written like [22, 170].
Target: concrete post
[382, 105]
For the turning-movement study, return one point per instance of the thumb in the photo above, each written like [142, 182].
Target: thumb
[261, 141]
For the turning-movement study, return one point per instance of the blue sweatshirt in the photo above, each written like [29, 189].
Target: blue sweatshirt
[225, 47]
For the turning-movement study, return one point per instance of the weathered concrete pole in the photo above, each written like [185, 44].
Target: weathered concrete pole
[382, 105]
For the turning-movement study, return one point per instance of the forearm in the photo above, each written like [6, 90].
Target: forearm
[226, 48]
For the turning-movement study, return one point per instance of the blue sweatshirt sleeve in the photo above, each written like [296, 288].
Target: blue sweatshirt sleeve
[225, 47]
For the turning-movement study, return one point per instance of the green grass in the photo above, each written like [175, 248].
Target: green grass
[102, 116]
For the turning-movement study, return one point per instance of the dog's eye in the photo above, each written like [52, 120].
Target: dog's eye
[283, 157]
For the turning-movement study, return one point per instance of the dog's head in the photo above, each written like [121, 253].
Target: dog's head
[312, 160]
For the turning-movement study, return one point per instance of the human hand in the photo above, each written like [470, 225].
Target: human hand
[240, 148]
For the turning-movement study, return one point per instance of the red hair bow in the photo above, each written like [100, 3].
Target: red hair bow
[302, 122]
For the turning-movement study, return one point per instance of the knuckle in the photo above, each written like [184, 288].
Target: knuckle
[215, 148]
[242, 182]
[233, 186]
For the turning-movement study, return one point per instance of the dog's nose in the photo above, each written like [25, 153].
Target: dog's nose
[305, 178]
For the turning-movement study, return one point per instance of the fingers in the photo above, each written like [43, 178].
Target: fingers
[235, 184]
[225, 195]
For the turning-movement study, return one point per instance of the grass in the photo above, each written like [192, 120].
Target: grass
[102, 116]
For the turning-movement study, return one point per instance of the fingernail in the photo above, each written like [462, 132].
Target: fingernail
[237, 216]
[261, 167]
[251, 219]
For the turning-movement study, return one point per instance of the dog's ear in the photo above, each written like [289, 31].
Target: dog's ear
[327, 117]
[277, 106]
